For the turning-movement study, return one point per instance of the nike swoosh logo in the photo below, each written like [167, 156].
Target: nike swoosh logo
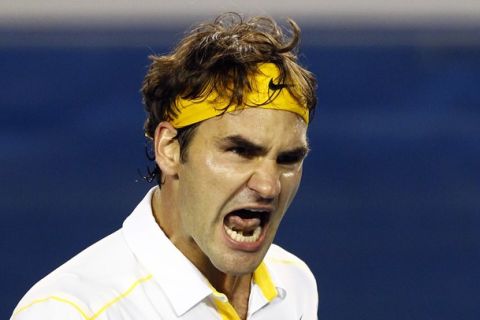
[274, 86]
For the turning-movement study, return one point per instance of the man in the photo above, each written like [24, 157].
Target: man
[227, 112]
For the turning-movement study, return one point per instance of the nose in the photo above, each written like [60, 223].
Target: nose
[265, 180]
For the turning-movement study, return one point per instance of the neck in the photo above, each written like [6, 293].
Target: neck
[237, 290]
[164, 206]
[233, 286]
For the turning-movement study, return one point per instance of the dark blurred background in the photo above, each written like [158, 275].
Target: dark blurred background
[388, 213]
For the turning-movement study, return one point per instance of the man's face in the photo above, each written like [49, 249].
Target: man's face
[242, 172]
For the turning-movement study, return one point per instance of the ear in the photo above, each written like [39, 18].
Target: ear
[167, 148]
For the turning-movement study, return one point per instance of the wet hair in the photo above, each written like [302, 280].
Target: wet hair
[220, 56]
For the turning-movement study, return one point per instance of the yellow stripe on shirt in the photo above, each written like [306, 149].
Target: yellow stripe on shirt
[59, 299]
[79, 310]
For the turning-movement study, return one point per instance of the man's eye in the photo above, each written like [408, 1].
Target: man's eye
[289, 159]
[237, 150]
[241, 151]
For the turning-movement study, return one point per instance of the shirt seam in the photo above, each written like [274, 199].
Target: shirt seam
[36, 301]
[79, 310]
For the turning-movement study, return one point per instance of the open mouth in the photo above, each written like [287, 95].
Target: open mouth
[246, 225]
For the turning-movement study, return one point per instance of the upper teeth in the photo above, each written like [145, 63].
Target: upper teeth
[240, 237]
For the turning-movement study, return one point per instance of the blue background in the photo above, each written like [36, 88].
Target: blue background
[388, 213]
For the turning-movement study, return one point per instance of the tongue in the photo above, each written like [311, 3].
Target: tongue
[238, 223]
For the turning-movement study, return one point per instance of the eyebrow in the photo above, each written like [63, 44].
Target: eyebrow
[240, 141]
[300, 152]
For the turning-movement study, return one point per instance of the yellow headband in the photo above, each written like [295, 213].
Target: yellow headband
[193, 111]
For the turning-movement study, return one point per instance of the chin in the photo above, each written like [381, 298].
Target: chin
[239, 264]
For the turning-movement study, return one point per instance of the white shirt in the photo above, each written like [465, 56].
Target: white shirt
[136, 273]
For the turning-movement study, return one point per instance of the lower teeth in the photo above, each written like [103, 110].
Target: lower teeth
[240, 237]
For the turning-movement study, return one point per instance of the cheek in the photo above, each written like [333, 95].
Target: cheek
[224, 173]
[207, 182]
[290, 183]
[202, 171]
[219, 164]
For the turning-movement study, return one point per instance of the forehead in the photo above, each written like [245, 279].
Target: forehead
[260, 126]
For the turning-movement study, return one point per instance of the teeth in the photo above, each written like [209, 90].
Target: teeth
[240, 237]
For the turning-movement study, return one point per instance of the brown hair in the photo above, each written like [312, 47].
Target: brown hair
[220, 56]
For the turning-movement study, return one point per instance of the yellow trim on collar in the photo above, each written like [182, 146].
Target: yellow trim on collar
[262, 96]
[262, 278]
[226, 310]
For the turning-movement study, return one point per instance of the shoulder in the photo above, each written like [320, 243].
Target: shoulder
[284, 264]
[293, 274]
[84, 284]
[54, 306]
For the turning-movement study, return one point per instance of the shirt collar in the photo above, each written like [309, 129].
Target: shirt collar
[152, 248]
